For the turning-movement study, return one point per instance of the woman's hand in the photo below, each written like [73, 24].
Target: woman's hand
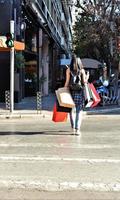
[85, 76]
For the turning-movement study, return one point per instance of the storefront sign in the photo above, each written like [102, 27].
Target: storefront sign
[3, 41]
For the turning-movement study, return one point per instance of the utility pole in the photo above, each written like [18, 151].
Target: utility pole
[12, 54]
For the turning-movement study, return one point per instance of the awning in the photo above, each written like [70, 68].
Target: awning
[87, 62]
[90, 63]
[31, 62]
[65, 61]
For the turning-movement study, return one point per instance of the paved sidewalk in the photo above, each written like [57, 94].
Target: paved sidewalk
[28, 108]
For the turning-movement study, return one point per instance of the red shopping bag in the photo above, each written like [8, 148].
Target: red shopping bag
[88, 95]
[59, 116]
[96, 97]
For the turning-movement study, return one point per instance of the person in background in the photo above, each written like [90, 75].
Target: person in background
[104, 78]
[76, 69]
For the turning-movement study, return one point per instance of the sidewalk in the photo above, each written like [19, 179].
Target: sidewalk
[28, 108]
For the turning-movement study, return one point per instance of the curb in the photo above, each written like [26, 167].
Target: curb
[106, 110]
[24, 115]
[45, 114]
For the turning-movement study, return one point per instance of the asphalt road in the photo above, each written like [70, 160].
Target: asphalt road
[40, 159]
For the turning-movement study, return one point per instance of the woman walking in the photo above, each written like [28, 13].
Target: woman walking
[75, 79]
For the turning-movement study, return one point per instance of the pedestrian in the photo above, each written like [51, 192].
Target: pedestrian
[76, 71]
[104, 77]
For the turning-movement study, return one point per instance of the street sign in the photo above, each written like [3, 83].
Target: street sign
[19, 46]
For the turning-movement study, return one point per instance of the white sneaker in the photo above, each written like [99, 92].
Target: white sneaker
[74, 131]
[78, 132]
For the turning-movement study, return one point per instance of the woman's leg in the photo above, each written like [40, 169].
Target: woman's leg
[78, 118]
[73, 117]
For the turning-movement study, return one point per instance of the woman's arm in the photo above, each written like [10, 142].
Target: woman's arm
[85, 76]
[67, 78]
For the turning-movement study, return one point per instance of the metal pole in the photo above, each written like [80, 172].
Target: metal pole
[12, 70]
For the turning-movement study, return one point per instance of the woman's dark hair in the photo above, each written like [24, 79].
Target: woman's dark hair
[74, 64]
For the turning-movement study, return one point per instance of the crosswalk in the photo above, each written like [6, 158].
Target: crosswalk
[61, 162]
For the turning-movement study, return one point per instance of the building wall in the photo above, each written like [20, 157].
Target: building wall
[53, 38]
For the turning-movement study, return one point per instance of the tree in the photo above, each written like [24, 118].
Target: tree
[95, 28]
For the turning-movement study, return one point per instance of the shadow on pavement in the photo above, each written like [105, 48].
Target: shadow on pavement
[58, 132]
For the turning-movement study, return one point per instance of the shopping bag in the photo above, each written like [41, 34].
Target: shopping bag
[61, 108]
[64, 97]
[96, 97]
[59, 116]
[88, 95]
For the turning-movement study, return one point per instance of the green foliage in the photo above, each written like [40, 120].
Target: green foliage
[92, 29]
[91, 39]
[19, 60]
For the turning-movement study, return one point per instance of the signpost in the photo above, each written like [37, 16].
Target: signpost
[18, 46]
[12, 61]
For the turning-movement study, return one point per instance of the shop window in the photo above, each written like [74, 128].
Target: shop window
[30, 78]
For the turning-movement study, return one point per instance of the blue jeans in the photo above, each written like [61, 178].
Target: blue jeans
[76, 117]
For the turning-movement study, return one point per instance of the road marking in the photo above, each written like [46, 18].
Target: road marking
[22, 158]
[62, 145]
[59, 186]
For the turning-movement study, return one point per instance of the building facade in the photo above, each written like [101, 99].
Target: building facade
[45, 28]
